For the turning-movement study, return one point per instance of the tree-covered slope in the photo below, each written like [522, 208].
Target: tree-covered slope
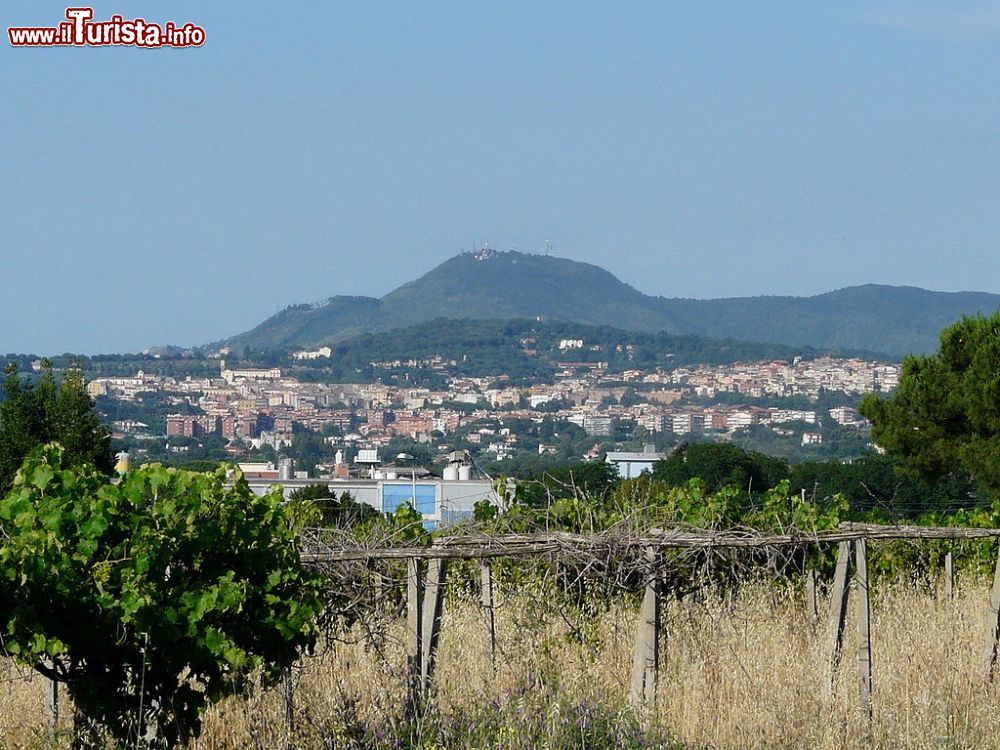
[337, 319]
[511, 285]
[897, 320]
[498, 285]
[479, 286]
[527, 349]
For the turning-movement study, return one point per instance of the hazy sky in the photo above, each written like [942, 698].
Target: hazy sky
[694, 149]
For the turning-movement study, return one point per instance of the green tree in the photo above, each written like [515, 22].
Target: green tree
[342, 512]
[308, 449]
[944, 417]
[33, 414]
[152, 597]
[422, 453]
[630, 397]
[721, 465]
[876, 484]
[592, 481]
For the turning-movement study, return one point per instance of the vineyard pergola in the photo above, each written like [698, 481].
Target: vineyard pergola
[644, 556]
[426, 568]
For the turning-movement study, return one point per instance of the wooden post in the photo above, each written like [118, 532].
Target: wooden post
[812, 597]
[288, 689]
[378, 589]
[992, 625]
[414, 603]
[838, 605]
[864, 627]
[51, 690]
[646, 658]
[430, 628]
[486, 602]
[949, 576]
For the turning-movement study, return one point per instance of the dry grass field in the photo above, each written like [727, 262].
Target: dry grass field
[741, 671]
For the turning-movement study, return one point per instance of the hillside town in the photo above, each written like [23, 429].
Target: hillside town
[253, 409]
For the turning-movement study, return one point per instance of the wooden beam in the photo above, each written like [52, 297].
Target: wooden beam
[288, 690]
[838, 605]
[483, 547]
[864, 614]
[51, 688]
[992, 624]
[646, 657]
[812, 596]
[414, 603]
[949, 576]
[486, 602]
[430, 628]
[378, 586]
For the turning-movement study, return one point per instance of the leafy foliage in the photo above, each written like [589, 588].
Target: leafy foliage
[877, 484]
[307, 449]
[330, 511]
[149, 407]
[720, 465]
[37, 413]
[519, 349]
[945, 416]
[592, 481]
[153, 597]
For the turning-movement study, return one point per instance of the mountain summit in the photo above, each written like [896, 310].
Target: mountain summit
[493, 285]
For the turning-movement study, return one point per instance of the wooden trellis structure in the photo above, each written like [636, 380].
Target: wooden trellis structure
[426, 568]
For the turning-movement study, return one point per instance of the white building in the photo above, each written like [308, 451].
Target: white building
[323, 351]
[738, 420]
[231, 376]
[630, 464]
[846, 415]
[442, 502]
[599, 424]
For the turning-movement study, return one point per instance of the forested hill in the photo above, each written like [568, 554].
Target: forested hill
[521, 348]
[482, 286]
[497, 285]
[529, 350]
[893, 319]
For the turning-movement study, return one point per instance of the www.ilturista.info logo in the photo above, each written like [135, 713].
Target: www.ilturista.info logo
[80, 30]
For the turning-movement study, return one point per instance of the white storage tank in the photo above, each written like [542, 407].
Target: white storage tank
[284, 469]
[378, 474]
[451, 473]
[464, 473]
[390, 475]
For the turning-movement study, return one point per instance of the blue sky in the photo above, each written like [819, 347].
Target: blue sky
[309, 149]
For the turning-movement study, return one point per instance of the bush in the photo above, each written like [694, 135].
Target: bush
[153, 597]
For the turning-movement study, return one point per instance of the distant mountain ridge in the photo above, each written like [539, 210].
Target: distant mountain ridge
[496, 285]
